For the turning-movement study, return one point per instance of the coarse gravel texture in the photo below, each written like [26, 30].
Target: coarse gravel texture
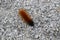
[45, 14]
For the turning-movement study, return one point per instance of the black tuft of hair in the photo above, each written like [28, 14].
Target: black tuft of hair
[31, 23]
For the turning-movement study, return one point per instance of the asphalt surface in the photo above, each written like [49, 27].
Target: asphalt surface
[45, 14]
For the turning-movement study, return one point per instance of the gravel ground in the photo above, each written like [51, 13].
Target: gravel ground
[45, 14]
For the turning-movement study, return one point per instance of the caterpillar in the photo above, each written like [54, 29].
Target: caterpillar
[25, 16]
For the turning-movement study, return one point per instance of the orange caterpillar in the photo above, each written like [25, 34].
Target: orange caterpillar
[26, 17]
